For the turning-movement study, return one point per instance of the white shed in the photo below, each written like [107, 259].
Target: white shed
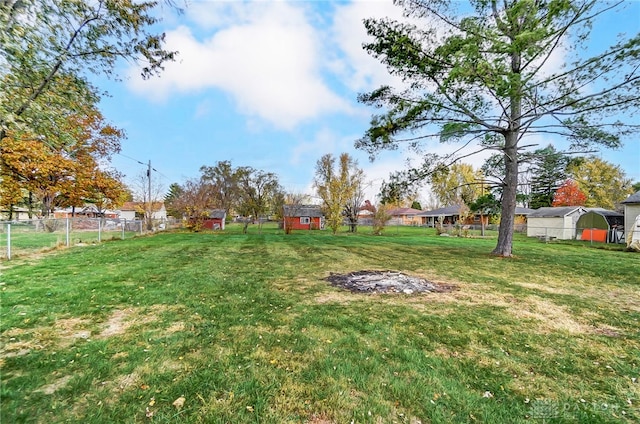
[559, 223]
[631, 211]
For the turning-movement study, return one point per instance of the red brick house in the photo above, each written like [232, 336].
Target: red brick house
[302, 217]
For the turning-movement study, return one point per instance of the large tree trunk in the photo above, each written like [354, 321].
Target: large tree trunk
[509, 191]
[511, 135]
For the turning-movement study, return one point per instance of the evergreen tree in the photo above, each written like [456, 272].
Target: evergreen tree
[549, 171]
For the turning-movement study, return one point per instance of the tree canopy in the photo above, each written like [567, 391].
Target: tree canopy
[48, 49]
[604, 184]
[569, 194]
[336, 184]
[486, 73]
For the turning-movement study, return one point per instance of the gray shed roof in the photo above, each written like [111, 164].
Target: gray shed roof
[312, 211]
[217, 213]
[556, 212]
[524, 211]
[634, 198]
[604, 212]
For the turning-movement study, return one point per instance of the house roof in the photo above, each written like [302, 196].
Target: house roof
[555, 212]
[634, 198]
[312, 211]
[604, 212]
[217, 213]
[446, 211]
[133, 206]
[524, 211]
[404, 211]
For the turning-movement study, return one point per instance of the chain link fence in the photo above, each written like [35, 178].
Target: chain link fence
[594, 235]
[39, 235]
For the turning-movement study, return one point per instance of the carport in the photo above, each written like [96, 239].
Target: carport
[601, 225]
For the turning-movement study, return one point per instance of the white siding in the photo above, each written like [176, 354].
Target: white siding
[630, 213]
[558, 227]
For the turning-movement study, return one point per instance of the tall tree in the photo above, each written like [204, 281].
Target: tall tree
[193, 200]
[397, 191]
[44, 44]
[258, 192]
[356, 200]
[224, 181]
[171, 200]
[604, 183]
[485, 75]
[65, 173]
[457, 184]
[336, 185]
[548, 172]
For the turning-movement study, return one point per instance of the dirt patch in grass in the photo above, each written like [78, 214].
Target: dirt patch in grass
[66, 331]
[319, 419]
[118, 323]
[124, 382]
[121, 320]
[50, 389]
[607, 330]
[176, 327]
[551, 317]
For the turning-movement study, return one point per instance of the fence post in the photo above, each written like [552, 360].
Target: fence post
[124, 224]
[8, 241]
[99, 230]
[68, 230]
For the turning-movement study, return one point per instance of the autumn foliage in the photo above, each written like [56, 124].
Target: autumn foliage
[64, 173]
[569, 195]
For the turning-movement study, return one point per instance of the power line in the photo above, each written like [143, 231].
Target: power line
[148, 165]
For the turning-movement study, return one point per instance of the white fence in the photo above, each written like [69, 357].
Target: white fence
[36, 235]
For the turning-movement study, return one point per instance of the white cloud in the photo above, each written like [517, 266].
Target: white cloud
[267, 61]
[325, 141]
[357, 69]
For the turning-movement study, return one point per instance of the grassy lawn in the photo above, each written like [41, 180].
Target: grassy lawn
[26, 240]
[234, 328]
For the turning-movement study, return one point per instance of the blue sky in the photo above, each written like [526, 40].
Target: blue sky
[273, 85]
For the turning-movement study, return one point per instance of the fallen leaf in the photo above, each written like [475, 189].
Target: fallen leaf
[148, 413]
[487, 394]
[152, 402]
[179, 403]
[250, 408]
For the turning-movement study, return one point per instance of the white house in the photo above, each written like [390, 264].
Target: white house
[557, 223]
[129, 210]
[631, 212]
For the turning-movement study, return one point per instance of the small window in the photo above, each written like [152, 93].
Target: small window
[305, 220]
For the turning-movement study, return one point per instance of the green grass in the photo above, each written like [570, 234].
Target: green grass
[27, 241]
[245, 330]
